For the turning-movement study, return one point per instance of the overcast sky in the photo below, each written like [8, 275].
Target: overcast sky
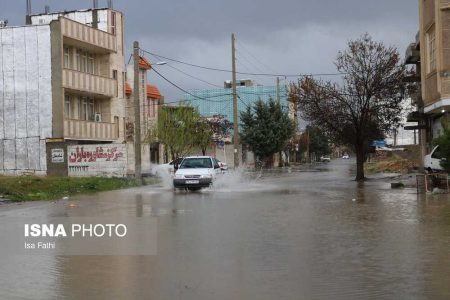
[284, 36]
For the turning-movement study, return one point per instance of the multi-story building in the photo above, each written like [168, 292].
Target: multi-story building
[62, 83]
[430, 54]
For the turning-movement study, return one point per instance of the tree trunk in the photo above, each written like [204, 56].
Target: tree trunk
[359, 163]
[280, 161]
[204, 151]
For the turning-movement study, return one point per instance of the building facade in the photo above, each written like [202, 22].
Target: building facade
[150, 102]
[429, 55]
[211, 102]
[62, 84]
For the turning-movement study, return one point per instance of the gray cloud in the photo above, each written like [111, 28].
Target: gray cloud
[290, 36]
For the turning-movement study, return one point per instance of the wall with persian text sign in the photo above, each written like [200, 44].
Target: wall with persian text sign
[97, 160]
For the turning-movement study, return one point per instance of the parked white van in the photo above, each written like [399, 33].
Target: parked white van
[196, 172]
[432, 161]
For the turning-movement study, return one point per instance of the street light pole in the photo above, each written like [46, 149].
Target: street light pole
[137, 115]
[235, 109]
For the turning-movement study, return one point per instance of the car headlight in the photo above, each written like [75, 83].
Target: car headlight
[206, 176]
[178, 176]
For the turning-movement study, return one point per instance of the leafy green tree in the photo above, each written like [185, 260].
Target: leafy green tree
[181, 129]
[318, 142]
[176, 129]
[203, 134]
[444, 146]
[266, 128]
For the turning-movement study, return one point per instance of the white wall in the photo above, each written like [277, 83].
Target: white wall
[83, 17]
[25, 98]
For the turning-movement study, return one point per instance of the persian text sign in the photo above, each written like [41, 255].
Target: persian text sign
[97, 160]
[57, 155]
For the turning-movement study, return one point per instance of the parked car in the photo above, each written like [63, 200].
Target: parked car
[170, 166]
[223, 166]
[345, 156]
[196, 172]
[325, 158]
[432, 161]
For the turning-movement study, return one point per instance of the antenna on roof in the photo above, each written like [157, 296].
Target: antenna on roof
[47, 9]
[28, 15]
[95, 4]
[110, 4]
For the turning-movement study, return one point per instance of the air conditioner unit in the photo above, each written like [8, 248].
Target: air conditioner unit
[98, 117]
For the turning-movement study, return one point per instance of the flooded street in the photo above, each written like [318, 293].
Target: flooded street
[311, 233]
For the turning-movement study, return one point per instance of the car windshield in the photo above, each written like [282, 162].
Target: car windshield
[192, 163]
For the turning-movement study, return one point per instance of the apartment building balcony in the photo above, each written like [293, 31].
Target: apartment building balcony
[90, 130]
[93, 39]
[85, 82]
[412, 55]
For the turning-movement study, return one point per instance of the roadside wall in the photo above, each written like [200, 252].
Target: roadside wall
[97, 160]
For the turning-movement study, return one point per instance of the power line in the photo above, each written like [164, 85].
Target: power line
[242, 73]
[192, 76]
[189, 75]
[254, 57]
[185, 91]
[249, 61]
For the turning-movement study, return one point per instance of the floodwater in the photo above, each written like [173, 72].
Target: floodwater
[307, 233]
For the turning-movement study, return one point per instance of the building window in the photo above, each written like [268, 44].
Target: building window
[87, 111]
[84, 108]
[113, 23]
[67, 109]
[83, 61]
[431, 45]
[78, 60]
[91, 64]
[124, 78]
[66, 58]
[77, 107]
[91, 112]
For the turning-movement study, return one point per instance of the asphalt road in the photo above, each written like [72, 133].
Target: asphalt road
[304, 233]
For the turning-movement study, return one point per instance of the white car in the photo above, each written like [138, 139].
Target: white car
[345, 156]
[170, 166]
[325, 158]
[223, 166]
[196, 172]
[432, 161]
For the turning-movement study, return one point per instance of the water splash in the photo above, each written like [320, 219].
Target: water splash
[164, 173]
[237, 180]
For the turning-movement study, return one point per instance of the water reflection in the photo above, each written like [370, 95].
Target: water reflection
[295, 235]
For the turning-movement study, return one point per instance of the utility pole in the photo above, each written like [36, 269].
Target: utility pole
[280, 155]
[235, 109]
[278, 90]
[137, 114]
[307, 146]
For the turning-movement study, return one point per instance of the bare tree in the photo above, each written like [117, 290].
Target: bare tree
[365, 105]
